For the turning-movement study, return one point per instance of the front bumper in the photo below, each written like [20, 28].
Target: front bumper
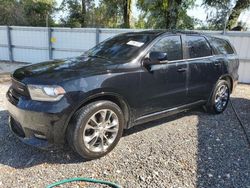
[33, 141]
[39, 124]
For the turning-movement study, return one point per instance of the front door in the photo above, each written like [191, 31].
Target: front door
[164, 86]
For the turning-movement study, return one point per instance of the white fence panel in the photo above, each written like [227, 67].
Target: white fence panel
[29, 44]
[244, 71]
[4, 53]
[64, 54]
[30, 55]
[29, 37]
[107, 33]
[77, 40]
[36, 44]
[3, 35]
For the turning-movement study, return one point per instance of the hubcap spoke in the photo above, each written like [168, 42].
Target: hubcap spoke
[112, 130]
[93, 119]
[103, 115]
[110, 126]
[102, 143]
[93, 140]
[109, 116]
[101, 130]
[88, 126]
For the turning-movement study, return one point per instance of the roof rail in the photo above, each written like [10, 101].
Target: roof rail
[185, 31]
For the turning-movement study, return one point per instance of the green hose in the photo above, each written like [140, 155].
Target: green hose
[85, 180]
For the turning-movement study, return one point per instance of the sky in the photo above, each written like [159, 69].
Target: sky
[197, 12]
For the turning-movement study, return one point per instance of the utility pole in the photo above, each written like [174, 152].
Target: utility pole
[47, 19]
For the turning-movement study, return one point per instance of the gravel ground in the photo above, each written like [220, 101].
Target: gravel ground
[192, 149]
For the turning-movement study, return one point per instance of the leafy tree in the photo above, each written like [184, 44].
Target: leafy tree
[79, 12]
[126, 4]
[121, 9]
[218, 11]
[239, 7]
[38, 11]
[11, 13]
[141, 22]
[105, 16]
[224, 9]
[168, 14]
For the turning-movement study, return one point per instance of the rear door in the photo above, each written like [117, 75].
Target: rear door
[224, 50]
[204, 68]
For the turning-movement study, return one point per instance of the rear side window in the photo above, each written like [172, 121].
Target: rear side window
[198, 46]
[171, 45]
[222, 46]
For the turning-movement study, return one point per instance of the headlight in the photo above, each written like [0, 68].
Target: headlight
[46, 92]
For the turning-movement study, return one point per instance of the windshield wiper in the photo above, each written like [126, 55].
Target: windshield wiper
[101, 57]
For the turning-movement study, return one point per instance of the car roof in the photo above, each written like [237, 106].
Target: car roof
[161, 31]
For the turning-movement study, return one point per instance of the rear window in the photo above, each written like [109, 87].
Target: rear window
[198, 47]
[222, 46]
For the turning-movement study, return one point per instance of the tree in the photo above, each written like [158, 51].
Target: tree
[218, 11]
[79, 12]
[26, 12]
[11, 13]
[83, 15]
[121, 9]
[225, 9]
[168, 14]
[73, 8]
[126, 13]
[37, 12]
[239, 7]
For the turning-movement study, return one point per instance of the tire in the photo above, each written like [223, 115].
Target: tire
[219, 100]
[90, 134]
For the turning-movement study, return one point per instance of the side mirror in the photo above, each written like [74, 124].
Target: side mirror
[156, 58]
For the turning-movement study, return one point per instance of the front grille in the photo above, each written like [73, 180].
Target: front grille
[17, 90]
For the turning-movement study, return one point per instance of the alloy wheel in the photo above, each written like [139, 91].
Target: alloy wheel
[101, 130]
[221, 97]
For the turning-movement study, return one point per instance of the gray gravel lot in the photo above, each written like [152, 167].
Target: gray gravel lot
[192, 149]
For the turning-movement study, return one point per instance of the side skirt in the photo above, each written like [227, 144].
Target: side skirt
[165, 113]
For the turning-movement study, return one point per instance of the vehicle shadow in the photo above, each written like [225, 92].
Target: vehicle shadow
[223, 156]
[16, 154]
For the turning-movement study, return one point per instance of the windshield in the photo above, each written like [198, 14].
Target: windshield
[122, 47]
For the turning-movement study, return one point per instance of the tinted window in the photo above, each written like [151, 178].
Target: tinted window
[222, 46]
[122, 47]
[171, 45]
[198, 47]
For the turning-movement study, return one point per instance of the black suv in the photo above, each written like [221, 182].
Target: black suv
[129, 79]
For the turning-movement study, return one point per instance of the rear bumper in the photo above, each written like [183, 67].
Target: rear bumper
[41, 128]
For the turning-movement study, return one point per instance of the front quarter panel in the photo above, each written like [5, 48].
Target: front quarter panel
[123, 84]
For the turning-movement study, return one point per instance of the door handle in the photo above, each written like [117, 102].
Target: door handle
[181, 69]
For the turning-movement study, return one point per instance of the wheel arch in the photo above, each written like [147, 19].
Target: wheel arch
[226, 77]
[229, 79]
[113, 97]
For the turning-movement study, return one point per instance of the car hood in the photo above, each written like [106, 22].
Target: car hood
[59, 70]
